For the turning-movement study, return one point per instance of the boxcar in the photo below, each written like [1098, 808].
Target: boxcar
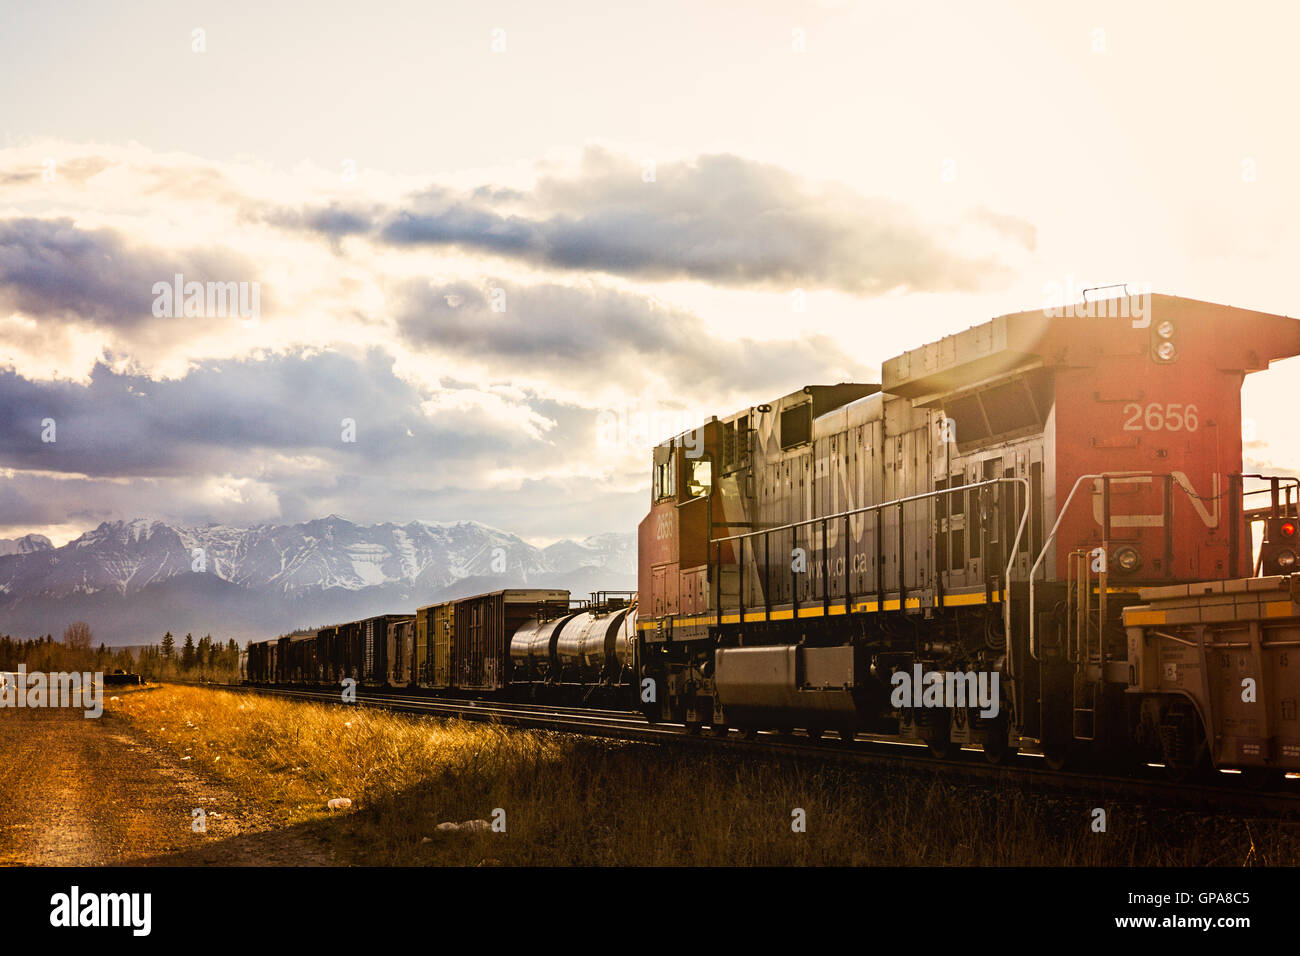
[326, 642]
[267, 669]
[298, 664]
[433, 639]
[351, 644]
[282, 675]
[421, 662]
[373, 659]
[400, 650]
[441, 628]
[256, 666]
[481, 628]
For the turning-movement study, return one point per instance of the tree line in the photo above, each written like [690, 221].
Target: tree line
[205, 659]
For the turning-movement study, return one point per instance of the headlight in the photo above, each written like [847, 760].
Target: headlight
[1165, 329]
[1286, 559]
[1166, 351]
[1127, 559]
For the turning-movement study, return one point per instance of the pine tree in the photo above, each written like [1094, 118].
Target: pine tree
[187, 653]
[168, 646]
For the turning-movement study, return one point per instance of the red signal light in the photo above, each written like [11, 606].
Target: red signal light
[1288, 529]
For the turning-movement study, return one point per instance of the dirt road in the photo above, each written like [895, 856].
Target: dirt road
[78, 792]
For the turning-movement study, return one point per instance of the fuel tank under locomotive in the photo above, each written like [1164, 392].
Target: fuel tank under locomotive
[820, 687]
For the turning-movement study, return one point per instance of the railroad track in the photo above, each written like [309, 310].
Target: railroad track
[965, 765]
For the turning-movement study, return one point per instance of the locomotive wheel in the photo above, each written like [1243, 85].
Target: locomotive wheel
[815, 733]
[719, 730]
[751, 733]
[847, 735]
[693, 727]
[997, 748]
[997, 751]
[785, 730]
[942, 748]
[1057, 756]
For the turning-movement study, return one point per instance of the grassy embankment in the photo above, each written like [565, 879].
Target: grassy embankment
[569, 800]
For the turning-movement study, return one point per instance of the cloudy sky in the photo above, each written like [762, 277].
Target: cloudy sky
[478, 231]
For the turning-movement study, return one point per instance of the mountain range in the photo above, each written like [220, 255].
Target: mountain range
[134, 580]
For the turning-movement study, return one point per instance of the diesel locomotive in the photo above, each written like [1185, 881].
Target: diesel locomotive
[1002, 503]
[1032, 536]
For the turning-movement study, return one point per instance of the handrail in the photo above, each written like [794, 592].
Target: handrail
[879, 507]
[866, 508]
[1047, 541]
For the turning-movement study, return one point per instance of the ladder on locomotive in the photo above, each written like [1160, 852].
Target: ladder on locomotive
[1084, 639]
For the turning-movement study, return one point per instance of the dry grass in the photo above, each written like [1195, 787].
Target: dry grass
[570, 800]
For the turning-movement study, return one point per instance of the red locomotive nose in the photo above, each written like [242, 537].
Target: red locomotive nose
[1288, 529]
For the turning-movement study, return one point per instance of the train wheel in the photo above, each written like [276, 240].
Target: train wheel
[997, 748]
[751, 733]
[1057, 756]
[942, 748]
[693, 727]
[785, 730]
[847, 735]
[815, 733]
[997, 751]
[719, 730]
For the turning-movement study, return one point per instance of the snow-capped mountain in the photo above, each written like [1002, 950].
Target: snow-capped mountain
[25, 545]
[279, 576]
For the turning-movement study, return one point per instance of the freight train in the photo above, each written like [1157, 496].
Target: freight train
[520, 643]
[1028, 536]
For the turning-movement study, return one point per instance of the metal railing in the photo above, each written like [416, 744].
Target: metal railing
[845, 517]
[1234, 495]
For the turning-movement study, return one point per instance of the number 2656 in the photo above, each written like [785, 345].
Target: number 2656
[1172, 417]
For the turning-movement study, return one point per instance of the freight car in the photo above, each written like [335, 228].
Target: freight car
[296, 659]
[460, 646]
[987, 511]
[585, 655]
[400, 651]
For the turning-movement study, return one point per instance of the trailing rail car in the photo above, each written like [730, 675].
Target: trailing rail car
[1028, 536]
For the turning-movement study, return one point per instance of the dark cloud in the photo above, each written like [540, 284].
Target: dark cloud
[51, 268]
[335, 221]
[270, 428]
[123, 425]
[720, 219]
[602, 334]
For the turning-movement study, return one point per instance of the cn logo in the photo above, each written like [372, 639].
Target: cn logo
[1206, 506]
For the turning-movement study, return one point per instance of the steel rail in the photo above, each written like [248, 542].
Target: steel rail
[863, 750]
